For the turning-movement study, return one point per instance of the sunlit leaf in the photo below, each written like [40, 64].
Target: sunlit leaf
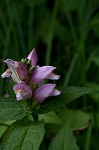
[64, 140]
[12, 110]
[76, 120]
[26, 137]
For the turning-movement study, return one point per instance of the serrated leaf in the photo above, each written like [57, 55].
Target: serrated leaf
[76, 120]
[67, 95]
[26, 137]
[72, 92]
[12, 110]
[64, 140]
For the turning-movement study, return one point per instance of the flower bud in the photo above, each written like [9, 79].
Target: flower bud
[24, 60]
[33, 57]
[28, 62]
[30, 70]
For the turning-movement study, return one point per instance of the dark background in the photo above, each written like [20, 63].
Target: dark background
[65, 34]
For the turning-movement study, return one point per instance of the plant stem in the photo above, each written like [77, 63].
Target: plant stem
[35, 117]
[51, 31]
[88, 138]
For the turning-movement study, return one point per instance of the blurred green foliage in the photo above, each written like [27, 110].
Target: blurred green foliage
[65, 34]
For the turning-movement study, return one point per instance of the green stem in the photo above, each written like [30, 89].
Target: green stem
[35, 117]
[3, 124]
[51, 31]
[43, 145]
[69, 73]
[88, 138]
[72, 28]
[19, 29]
[30, 26]
[6, 43]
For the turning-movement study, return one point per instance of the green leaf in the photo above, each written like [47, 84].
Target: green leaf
[94, 96]
[71, 93]
[96, 60]
[1, 146]
[95, 119]
[53, 122]
[67, 95]
[12, 110]
[64, 140]
[4, 126]
[70, 5]
[26, 137]
[60, 32]
[50, 117]
[38, 2]
[95, 24]
[76, 120]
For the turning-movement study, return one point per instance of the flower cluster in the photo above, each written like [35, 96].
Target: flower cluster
[29, 78]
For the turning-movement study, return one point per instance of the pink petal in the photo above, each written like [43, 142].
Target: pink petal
[6, 74]
[22, 71]
[41, 73]
[55, 92]
[33, 57]
[22, 91]
[53, 76]
[8, 61]
[44, 91]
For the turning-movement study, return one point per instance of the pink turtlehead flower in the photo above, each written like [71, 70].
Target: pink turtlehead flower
[12, 66]
[29, 76]
[42, 73]
[22, 91]
[17, 70]
[33, 57]
[44, 91]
